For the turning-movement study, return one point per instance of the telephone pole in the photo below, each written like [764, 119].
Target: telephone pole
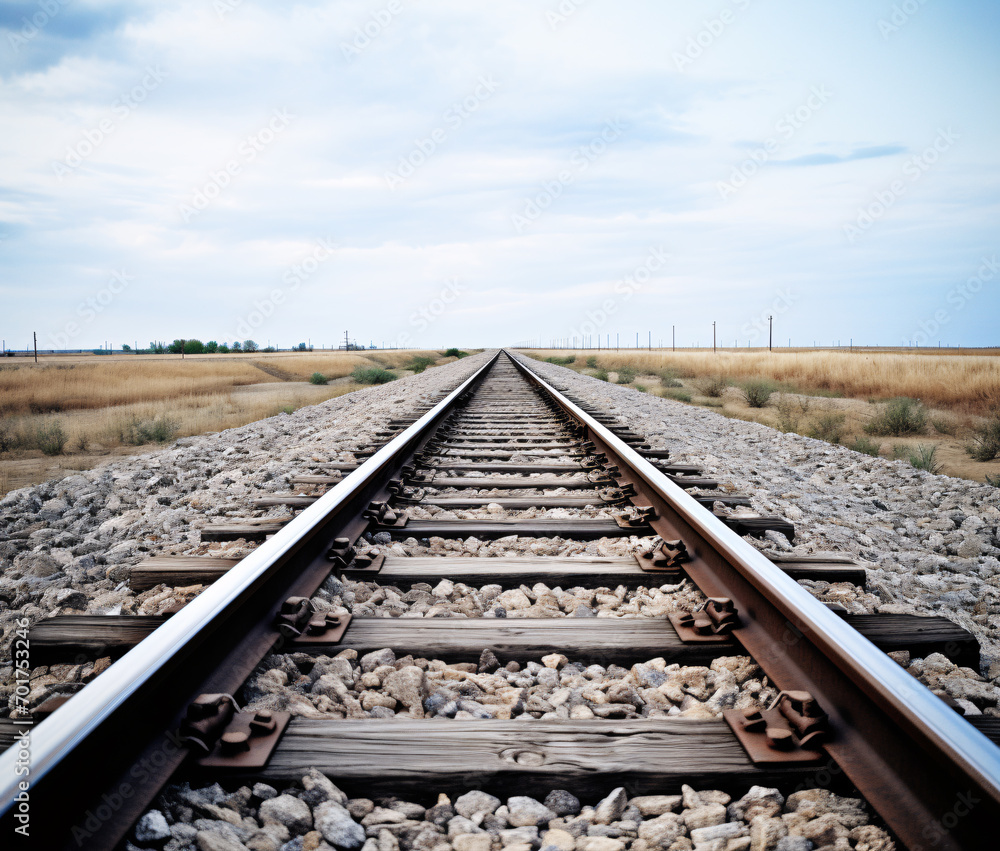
[35, 335]
[713, 338]
[770, 332]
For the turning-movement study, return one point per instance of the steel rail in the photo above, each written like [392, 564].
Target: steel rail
[933, 777]
[56, 737]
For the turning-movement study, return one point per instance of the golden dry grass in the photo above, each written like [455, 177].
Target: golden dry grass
[965, 383]
[107, 404]
[100, 428]
[30, 389]
[58, 385]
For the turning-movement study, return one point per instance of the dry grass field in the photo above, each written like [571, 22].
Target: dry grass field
[67, 384]
[72, 412]
[966, 383]
[833, 395]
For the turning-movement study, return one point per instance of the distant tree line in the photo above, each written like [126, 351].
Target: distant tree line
[197, 347]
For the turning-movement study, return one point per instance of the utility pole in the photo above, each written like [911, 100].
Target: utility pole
[35, 335]
[713, 338]
[770, 332]
[650, 341]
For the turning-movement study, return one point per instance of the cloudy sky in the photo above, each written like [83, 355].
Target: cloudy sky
[461, 173]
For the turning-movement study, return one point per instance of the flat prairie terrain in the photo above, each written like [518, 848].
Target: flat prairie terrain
[72, 412]
[834, 395]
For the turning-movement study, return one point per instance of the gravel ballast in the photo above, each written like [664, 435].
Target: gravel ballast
[379, 685]
[316, 815]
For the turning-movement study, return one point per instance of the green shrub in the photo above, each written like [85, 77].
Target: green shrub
[788, 420]
[562, 361]
[592, 362]
[714, 386]
[626, 374]
[677, 395]
[943, 426]
[757, 393]
[642, 388]
[287, 409]
[898, 417]
[923, 458]
[920, 456]
[602, 374]
[985, 444]
[136, 432]
[829, 427]
[318, 378]
[47, 436]
[372, 375]
[455, 353]
[993, 480]
[420, 363]
[668, 377]
[866, 446]
[713, 403]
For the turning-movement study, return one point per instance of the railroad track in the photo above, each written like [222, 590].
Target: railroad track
[506, 459]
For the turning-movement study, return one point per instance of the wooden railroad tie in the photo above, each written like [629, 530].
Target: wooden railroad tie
[619, 640]
[178, 571]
